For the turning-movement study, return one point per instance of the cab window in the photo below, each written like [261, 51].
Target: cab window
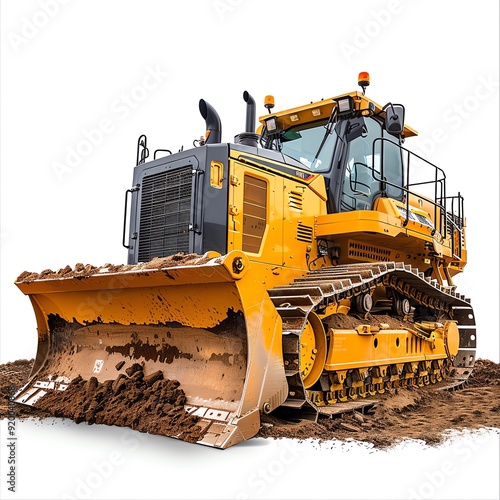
[304, 144]
[369, 162]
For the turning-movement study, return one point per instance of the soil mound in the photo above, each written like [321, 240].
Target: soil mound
[145, 403]
[156, 405]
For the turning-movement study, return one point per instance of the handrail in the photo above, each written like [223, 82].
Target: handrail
[143, 153]
[134, 236]
[442, 217]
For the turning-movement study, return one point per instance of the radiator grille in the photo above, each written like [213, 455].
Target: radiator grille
[165, 213]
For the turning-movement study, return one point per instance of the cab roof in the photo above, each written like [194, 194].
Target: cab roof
[322, 109]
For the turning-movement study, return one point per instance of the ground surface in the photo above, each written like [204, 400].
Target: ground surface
[416, 413]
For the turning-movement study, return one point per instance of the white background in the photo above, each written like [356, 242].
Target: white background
[70, 67]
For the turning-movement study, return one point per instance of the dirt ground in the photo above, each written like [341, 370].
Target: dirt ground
[411, 413]
[12, 377]
[152, 404]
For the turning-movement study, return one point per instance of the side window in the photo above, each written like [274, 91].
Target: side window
[393, 168]
[368, 164]
[363, 163]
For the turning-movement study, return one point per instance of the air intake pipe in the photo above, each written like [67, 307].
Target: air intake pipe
[212, 121]
[249, 137]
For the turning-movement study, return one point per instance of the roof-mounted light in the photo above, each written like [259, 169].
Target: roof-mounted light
[364, 80]
[345, 105]
[269, 102]
[272, 124]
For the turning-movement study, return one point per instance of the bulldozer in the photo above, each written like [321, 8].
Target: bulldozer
[304, 268]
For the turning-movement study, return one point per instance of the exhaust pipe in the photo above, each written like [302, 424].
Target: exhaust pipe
[249, 137]
[250, 118]
[212, 121]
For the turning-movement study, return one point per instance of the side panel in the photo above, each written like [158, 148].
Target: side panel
[255, 219]
[175, 207]
[214, 201]
[300, 206]
[272, 216]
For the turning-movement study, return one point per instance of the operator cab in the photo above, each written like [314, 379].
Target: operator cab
[355, 144]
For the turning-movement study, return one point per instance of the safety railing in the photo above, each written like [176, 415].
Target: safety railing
[448, 211]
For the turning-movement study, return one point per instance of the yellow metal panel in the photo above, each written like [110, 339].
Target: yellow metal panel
[216, 174]
[348, 349]
[261, 237]
[317, 185]
[357, 221]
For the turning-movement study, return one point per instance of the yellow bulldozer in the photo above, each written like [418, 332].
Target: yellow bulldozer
[302, 269]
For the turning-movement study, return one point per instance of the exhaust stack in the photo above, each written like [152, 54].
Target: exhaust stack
[250, 118]
[249, 137]
[212, 121]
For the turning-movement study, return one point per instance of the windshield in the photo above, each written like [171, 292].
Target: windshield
[303, 143]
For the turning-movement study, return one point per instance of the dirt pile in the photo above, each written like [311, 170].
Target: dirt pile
[145, 403]
[485, 373]
[155, 405]
[83, 271]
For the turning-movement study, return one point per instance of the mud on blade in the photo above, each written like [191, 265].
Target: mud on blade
[182, 352]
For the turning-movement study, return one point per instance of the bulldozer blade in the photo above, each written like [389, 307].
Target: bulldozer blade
[210, 329]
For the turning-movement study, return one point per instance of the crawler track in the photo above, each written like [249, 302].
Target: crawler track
[318, 290]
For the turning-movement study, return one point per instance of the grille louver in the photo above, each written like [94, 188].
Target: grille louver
[304, 233]
[165, 213]
[295, 200]
[364, 251]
